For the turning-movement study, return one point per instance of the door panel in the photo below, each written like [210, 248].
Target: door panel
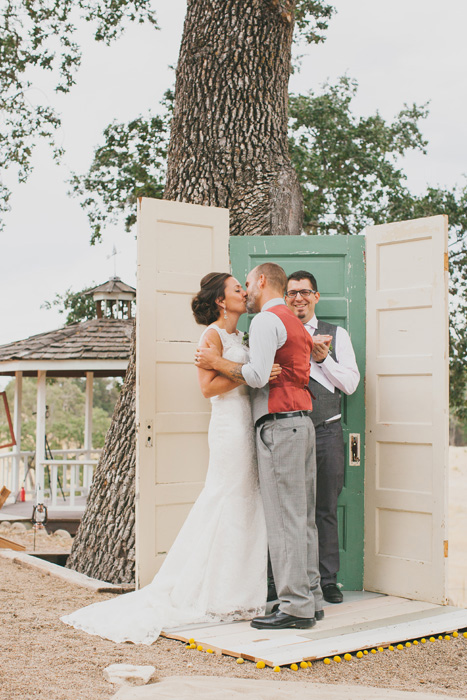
[338, 265]
[407, 409]
[177, 245]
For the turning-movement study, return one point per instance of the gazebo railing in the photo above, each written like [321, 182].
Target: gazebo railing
[13, 472]
[64, 480]
[69, 479]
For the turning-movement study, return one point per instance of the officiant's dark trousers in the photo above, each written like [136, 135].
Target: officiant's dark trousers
[329, 483]
[287, 475]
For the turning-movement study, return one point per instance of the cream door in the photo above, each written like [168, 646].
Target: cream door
[407, 409]
[177, 245]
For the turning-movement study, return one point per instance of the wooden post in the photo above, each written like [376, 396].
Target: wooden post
[17, 430]
[87, 469]
[40, 435]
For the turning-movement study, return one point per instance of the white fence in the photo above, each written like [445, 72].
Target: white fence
[65, 479]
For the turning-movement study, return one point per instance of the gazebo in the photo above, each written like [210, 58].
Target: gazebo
[99, 347]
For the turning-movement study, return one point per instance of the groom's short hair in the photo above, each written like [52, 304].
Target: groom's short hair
[274, 274]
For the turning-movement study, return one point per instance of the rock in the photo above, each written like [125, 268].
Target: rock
[63, 534]
[5, 525]
[127, 674]
[18, 527]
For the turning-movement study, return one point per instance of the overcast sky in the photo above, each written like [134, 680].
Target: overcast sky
[399, 51]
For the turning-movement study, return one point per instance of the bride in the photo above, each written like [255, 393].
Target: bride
[216, 569]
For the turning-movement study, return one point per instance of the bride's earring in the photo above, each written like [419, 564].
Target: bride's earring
[225, 313]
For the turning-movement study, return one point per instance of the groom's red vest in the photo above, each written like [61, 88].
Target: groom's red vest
[289, 392]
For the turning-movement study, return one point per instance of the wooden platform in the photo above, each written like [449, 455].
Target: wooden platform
[363, 621]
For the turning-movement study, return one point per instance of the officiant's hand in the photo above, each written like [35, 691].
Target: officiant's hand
[276, 370]
[205, 358]
[320, 348]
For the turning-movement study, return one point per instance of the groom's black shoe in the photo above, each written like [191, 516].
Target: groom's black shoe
[319, 614]
[280, 620]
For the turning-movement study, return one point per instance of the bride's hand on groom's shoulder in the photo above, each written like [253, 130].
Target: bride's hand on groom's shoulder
[275, 371]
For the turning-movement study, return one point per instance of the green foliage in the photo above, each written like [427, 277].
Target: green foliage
[457, 431]
[130, 164]
[105, 394]
[312, 19]
[79, 306]
[65, 421]
[351, 177]
[348, 166]
[41, 36]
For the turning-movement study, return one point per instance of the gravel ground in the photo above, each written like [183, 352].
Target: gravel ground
[39, 540]
[43, 658]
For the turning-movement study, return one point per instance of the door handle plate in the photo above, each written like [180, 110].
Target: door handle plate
[354, 449]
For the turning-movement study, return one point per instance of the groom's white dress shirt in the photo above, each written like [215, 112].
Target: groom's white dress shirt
[267, 335]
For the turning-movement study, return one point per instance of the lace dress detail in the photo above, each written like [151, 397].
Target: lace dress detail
[216, 570]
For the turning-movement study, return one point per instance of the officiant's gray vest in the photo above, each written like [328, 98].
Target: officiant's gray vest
[325, 404]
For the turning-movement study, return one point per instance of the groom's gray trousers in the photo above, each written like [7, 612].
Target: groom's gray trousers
[287, 474]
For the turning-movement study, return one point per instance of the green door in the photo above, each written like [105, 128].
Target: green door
[337, 262]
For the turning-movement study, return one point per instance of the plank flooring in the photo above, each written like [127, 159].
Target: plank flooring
[363, 621]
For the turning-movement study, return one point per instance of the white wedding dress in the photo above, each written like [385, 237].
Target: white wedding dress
[216, 570]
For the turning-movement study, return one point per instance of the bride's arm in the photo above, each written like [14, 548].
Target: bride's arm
[211, 383]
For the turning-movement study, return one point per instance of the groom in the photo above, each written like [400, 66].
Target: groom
[285, 440]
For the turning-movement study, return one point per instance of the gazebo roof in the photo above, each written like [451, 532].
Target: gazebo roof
[113, 286]
[101, 345]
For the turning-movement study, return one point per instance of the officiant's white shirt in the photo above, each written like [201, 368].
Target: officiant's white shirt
[343, 374]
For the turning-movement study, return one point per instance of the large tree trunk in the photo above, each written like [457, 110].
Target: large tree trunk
[104, 546]
[228, 148]
[228, 144]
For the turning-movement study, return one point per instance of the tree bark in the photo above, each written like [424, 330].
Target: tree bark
[228, 148]
[104, 546]
[228, 142]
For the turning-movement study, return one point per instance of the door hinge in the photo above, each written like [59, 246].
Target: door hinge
[446, 548]
[446, 262]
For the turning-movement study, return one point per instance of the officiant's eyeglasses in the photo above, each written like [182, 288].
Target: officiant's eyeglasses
[303, 293]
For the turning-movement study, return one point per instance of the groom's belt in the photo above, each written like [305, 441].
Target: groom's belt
[277, 416]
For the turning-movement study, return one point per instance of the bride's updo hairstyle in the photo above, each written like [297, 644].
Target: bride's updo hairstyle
[204, 307]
